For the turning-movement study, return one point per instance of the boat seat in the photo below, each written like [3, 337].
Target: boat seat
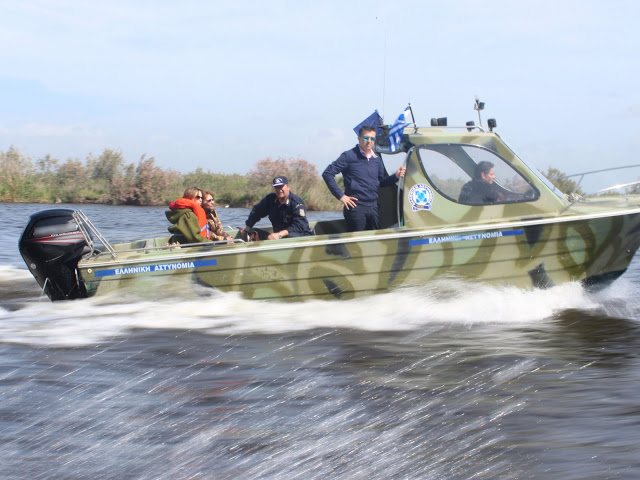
[325, 227]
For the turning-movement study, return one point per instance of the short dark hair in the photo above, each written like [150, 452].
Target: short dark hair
[482, 167]
[365, 128]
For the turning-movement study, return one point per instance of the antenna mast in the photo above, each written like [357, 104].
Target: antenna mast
[479, 106]
[384, 70]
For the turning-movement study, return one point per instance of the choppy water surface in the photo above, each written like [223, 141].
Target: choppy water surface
[453, 380]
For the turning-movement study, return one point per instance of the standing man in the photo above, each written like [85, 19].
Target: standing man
[363, 172]
[285, 210]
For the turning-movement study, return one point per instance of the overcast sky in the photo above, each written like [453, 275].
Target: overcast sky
[221, 85]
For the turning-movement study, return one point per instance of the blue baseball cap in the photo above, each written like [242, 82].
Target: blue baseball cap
[279, 181]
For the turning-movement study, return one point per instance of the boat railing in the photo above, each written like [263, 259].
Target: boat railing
[592, 172]
[578, 183]
[468, 128]
[575, 198]
[87, 228]
[142, 236]
[175, 246]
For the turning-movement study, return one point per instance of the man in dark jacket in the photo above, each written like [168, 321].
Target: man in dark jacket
[363, 172]
[285, 210]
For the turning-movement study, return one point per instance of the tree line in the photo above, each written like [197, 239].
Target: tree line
[108, 179]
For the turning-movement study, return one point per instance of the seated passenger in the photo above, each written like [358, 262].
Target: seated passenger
[214, 226]
[188, 218]
[480, 190]
[285, 209]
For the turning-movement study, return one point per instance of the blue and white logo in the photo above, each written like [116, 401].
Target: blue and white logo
[420, 197]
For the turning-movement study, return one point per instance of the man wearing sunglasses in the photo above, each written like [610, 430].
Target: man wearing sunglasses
[363, 172]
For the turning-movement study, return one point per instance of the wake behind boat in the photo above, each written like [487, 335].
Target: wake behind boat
[437, 221]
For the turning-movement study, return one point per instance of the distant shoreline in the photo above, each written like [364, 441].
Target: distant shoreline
[218, 207]
[109, 180]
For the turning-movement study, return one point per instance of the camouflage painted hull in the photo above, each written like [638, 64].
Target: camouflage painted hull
[527, 235]
[594, 249]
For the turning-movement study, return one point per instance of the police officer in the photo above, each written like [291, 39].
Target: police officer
[285, 210]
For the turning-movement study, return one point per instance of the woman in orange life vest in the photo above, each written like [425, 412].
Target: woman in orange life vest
[188, 219]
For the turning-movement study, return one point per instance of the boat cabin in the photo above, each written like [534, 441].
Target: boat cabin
[440, 161]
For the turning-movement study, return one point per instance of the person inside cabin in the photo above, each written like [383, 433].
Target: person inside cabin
[285, 209]
[481, 189]
[214, 225]
[188, 218]
[363, 172]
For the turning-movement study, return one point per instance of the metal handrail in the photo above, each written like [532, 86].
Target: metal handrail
[446, 127]
[161, 233]
[180, 245]
[401, 186]
[608, 189]
[85, 224]
[581, 175]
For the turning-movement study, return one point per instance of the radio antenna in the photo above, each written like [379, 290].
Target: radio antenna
[479, 106]
[384, 70]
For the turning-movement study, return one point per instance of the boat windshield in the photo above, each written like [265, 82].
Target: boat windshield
[545, 180]
[465, 174]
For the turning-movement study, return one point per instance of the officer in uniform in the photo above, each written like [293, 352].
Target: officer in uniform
[285, 209]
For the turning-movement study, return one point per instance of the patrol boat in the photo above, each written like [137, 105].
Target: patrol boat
[531, 235]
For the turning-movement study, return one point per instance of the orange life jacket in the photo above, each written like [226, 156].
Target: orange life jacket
[197, 209]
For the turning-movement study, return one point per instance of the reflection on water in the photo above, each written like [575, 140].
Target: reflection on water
[451, 380]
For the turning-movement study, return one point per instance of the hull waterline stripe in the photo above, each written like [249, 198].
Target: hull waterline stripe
[463, 238]
[161, 267]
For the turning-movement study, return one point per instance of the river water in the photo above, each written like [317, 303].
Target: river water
[450, 381]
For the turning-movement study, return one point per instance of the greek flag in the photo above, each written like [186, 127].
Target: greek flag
[374, 120]
[395, 134]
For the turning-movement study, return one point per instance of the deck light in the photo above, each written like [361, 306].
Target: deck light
[470, 125]
[492, 124]
[439, 122]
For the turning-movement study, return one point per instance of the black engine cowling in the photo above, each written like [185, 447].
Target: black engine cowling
[51, 246]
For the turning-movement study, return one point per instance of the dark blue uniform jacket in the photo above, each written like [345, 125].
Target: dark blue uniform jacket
[362, 177]
[291, 215]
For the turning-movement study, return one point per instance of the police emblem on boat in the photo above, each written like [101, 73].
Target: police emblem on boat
[420, 197]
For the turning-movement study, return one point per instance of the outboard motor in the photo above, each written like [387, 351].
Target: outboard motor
[51, 246]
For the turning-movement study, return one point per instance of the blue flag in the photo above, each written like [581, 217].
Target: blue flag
[395, 134]
[374, 120]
